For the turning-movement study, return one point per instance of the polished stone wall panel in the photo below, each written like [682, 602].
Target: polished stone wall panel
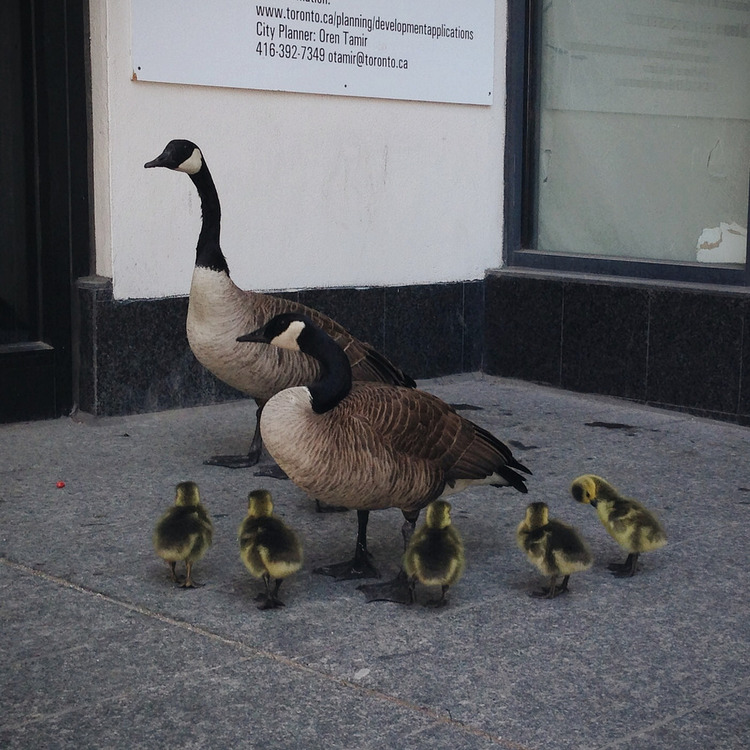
[605, 340]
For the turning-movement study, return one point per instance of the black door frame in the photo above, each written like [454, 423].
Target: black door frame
[37, 377]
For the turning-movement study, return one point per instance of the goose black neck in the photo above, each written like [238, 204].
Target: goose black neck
[335, 379]
[208, 252]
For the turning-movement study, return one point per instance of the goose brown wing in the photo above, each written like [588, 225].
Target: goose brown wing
[424, 428]
[367, 363]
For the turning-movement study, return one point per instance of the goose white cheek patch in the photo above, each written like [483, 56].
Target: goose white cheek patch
[192, 164]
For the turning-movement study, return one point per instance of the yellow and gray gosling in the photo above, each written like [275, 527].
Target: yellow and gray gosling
[184, 532]
[553, 546]
[435, 553]
[635, 528]
[268, 548]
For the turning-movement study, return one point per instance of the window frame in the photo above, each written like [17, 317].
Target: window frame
[522, 122]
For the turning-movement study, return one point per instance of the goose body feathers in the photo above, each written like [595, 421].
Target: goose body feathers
[383, 446]
[219, 311]
[370, 446]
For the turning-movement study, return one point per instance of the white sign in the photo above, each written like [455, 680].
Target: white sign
[427, 50]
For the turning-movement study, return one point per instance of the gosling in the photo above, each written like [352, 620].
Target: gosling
[554, 547]
[184, 532]
[635, 528]
[435, 553]
[268, 548]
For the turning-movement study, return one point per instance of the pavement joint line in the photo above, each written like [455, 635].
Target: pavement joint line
[645, 731]
[432, 714]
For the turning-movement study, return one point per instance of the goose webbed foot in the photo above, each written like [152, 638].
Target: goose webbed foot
[361, 566]
[232, 462]
[397, 590]
[626, 569]
[273, 471]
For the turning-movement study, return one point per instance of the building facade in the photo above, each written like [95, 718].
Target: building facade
[585, 228]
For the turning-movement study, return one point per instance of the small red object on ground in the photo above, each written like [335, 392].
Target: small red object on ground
[60, 485]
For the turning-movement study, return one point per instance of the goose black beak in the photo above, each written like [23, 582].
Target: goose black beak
[160, 161]
[256, 336]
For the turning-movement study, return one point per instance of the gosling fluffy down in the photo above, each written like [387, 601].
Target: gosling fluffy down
[554, 547]
[635, 528]
[268, 548]
[184, 532]
[435, 553]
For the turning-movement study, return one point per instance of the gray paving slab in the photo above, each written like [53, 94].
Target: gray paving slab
[98, 648]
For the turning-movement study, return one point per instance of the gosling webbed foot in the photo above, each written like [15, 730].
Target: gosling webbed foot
[359, 567]
[397, 590]
[441, 602]
[268, 602]
[547, 593]
[436, 603]
[189, 583]
[626, 569]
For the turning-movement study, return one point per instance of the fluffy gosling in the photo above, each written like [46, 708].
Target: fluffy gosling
[635, 528]
[554, 547]
[184, 532]
[268, 548]
[435, 553]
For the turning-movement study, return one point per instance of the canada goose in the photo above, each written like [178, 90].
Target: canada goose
[219, 311]
[553, 546]
[435, 554]
[635, 528]
[370, 446]
[268, 548]
[184, 532]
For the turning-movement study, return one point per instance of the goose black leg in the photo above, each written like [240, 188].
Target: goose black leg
[361, 565]
[397, 590]
[626, 569]
[253, 454]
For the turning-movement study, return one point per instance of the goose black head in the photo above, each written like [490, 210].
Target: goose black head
[283, 331]
[180, 155]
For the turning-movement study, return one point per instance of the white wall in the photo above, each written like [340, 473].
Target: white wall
[315, 190]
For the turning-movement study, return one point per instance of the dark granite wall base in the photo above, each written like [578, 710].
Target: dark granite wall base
[134, 355]
[680, 347]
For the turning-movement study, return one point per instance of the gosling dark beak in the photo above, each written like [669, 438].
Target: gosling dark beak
[160, 161]
[257, 336]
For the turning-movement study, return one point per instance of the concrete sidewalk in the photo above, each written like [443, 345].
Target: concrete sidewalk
[100, 650]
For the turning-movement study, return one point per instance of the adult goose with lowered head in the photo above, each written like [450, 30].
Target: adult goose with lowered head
[219, 311]
[369, 446]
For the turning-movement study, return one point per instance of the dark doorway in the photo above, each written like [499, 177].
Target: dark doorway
[44, 219]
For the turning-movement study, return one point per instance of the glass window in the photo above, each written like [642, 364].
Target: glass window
[637, 131]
